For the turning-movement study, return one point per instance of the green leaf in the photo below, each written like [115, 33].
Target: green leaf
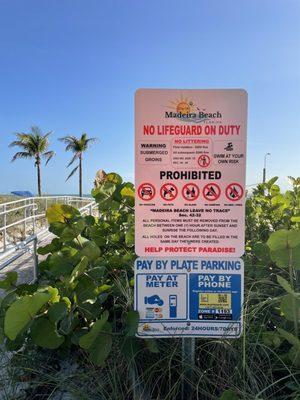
[61, 213]
[229, 395]
[285, 247]
[103, 288]
[98, 341]
[129, 237]
[43, 333]
[113, 177]
[271, 182]
[271, 339]
[284, 239]
[23, 311]
[130, 346]
[104, 192]
[80, 268]
[289, 305]
[10, 280]
[90, 250]
[55, 245]
[128, 191]
[57, 312]
[284, 284]
[294, 355]
[132, 322]
[152, 346]
[296, 218]
[292, 339]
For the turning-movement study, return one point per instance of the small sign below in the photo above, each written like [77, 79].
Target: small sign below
[181, 297]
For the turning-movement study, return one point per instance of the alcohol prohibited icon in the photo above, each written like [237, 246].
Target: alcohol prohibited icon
[190, 192]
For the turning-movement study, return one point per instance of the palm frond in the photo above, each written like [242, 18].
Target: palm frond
[20, 155]
[72, 173]
[76, 155]
[48, 155]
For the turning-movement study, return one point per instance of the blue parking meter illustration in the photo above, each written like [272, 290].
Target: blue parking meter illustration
[154, 300]
[173, 305]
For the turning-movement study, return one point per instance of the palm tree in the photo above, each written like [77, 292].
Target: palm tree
[35, 145]
[77, 146]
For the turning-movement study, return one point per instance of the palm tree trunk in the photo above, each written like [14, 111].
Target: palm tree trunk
[38, 166]
[80, 176]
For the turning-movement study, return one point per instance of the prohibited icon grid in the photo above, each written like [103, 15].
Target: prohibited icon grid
[168, 192]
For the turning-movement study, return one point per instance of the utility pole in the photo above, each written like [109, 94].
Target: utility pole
[265, 167]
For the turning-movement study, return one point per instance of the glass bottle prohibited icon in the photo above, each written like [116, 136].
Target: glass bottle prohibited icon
[190, 192]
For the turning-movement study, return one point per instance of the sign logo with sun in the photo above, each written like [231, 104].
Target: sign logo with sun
[186, 110]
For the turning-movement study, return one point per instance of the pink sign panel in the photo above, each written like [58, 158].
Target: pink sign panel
[190, 160]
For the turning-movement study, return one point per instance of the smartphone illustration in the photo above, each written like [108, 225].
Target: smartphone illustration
[173, 305]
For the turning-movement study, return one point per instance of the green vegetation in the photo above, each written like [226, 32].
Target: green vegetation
[33, 145]
[77, 146]
[73, 330]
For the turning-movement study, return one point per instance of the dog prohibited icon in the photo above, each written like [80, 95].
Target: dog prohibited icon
[211, 191]
[146, 191]
[234, 192]
[168, 191]
[190, 192]
[204, 160]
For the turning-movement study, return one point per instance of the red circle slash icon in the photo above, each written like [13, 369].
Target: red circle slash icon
[211, 191]
[234, 191]
[204, 160]
[146, 191]
[190, 192]
[168, 191]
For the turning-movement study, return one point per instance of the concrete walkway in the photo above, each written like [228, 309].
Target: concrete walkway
[24, 265]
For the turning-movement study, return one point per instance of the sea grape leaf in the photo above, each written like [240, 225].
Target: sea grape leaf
[90, 250]
[284, 284]
[9, 281]
[132, 322]
[290, 305]
[98, 341]
[22, 311]
[61, 213]
[80, 268]
[57, 311]
[43, 333]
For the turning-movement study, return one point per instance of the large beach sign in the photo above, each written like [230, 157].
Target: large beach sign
[190, 160]
[190, 172]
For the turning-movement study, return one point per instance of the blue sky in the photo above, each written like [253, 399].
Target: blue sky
[72, 66]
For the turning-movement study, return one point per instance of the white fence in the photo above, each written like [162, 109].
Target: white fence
[25, 218]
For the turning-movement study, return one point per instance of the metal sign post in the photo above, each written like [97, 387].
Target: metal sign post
[188, 364]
